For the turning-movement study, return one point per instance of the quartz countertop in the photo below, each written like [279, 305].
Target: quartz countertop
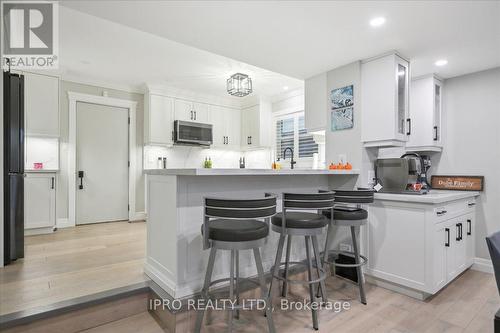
[433, 197]
[246, 172]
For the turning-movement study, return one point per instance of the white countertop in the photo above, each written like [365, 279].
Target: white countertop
[246, 172]
[433, 197]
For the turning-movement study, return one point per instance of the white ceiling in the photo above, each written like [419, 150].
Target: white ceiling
[304, 38]
[102, 52]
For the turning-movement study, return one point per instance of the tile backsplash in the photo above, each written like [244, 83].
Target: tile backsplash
[193, 157]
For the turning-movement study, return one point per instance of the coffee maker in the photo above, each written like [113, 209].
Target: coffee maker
[406, 175]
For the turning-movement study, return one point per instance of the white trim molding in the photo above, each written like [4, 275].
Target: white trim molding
[63, 223]
[131, 106]
[482, 265]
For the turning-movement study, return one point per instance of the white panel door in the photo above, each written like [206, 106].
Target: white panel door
[39, 201]
[41, 98]
[102, 155]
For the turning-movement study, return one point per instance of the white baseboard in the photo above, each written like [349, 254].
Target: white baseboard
[64, 223]
[139, 216]
[482, 265]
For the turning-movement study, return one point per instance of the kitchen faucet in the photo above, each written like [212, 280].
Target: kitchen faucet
[292, 162]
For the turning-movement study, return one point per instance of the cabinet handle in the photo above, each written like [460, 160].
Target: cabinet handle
[435, 133]
[408, 120]
[471, 204]
[469, 224]
[52, 183]
[191, 114]
[250, 139]
[441, 212]
[194, 115]
[447, 230]
[458, 232]
[223, 140]
[227, 140]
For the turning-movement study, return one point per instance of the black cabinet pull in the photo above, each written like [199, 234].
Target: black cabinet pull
[461, 231]
[52, 183]
[471, 204]
[194, 115]
[408, 120]
[447, 230]
[435, 133]
[458, 232]
[80, 175]
[227, 140]
[250, 139]
[469, 224]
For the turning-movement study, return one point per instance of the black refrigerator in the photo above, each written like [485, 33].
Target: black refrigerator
[13, 96]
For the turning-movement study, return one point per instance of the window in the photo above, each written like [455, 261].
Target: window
[291, 133]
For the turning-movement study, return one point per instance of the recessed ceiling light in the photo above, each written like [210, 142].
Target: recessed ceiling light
[377, 21]
[285, 88]
[441, 62]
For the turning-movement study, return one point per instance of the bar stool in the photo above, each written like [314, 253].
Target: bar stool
[349, 214]
[290, 223]
[236, 225]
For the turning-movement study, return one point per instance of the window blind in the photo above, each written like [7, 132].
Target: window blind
[307, 146]
[285, 135]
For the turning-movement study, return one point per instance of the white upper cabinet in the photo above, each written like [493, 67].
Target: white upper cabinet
[158, 119]
[384, 101]
[226, 126]
[41, 105]
[191, 111]
[256, 125]
[425, 105]
[316, 101]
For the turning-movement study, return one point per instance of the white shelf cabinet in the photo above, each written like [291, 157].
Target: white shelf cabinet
[316, 103]
[384, 101]
[39, 200]
[191, 111]
[158, 120]
[256, 126]
[226, 126]
[41, 105]
[419, 246]
[426, 105]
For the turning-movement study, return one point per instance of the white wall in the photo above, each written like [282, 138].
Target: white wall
[471, 136]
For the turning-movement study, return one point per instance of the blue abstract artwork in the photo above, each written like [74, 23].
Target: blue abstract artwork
[342, 108]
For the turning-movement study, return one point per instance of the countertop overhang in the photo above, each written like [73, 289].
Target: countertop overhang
[246, 172]
[433, 197]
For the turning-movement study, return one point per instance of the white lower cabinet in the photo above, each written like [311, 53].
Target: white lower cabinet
[39, 200]
[419, 246]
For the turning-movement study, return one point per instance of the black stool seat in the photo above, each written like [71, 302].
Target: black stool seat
[300, 220]
[339, 214]
[236, 231]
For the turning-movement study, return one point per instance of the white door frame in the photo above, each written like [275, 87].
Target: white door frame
[107, 101]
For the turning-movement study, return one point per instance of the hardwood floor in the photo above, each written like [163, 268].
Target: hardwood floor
[74, 262]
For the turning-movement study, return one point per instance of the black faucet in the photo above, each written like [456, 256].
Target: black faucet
[292, 162]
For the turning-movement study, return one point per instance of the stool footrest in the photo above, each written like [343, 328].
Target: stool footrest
[364, 260]
[322, 275]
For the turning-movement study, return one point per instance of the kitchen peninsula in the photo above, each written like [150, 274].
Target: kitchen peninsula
[175, 258]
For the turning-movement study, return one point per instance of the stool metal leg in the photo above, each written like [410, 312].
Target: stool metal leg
[321, 285]
[361, 282]
[311, 287]
[279, 254]
[284, 292]
[263, 291]
[328, 244]
[206, 285]
[237, 289]
[231, 291]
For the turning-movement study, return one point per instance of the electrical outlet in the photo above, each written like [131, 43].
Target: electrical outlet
[345, 247]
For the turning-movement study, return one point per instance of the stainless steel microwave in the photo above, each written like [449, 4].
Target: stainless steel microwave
[191, 133]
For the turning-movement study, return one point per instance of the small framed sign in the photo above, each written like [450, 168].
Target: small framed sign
[458, 183]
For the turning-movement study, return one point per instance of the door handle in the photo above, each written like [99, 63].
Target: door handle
[435, 133]
[469, 223]
[52, 183]
[80, 175]
[408, 120]
[447, 230]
